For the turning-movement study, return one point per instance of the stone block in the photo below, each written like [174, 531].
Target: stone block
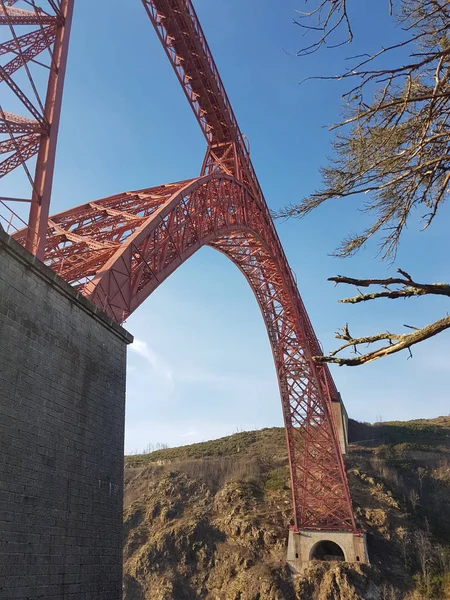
[308, 545]
[62, 409]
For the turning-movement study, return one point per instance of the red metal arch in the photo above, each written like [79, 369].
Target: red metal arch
[119, 249]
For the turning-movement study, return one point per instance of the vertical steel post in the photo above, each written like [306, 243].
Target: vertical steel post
[40, 205]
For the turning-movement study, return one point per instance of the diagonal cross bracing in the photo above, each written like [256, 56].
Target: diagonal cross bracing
[162, 227]
[33, 59]
[119, 249]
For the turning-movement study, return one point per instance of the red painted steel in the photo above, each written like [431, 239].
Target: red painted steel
[30, 53]
[182, 37]
[118, 250]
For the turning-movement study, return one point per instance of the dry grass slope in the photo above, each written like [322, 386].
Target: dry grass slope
[208, 521]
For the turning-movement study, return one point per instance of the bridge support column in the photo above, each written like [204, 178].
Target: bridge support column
[341, 421]
[62, 412]
[308, 545]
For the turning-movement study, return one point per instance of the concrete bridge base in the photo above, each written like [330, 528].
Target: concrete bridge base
[308, 545]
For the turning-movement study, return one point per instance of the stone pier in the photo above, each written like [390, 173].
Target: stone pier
[308, 545]
[62, 408]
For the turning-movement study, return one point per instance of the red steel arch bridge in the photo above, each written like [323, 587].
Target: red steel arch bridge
[118, 250]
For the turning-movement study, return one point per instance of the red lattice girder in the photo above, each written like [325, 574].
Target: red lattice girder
[180, 32]
[11, 123]
[24, 147]
[20, 16]
[42, 40]
[120, 249]
[183, 39]
[38, 58]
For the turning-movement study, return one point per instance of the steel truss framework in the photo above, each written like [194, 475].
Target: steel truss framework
[118, 250]
[35, 51]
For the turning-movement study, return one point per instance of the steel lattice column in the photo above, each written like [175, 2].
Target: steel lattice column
[38, 41]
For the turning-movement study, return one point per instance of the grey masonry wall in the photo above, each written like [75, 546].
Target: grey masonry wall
[62, 397]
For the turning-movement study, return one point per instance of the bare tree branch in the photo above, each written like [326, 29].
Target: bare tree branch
[404, 287]
[392, 148]
[410, 287]
[330, 17]
[397, 342]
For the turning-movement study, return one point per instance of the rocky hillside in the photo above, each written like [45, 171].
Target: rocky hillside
[208, 521]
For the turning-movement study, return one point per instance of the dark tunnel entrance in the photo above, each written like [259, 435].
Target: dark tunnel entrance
[327, 550]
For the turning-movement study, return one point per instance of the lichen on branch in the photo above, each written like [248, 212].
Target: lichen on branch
[393, 287]
[392, 146]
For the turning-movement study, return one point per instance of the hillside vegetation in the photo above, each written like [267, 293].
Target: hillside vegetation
[209, 520]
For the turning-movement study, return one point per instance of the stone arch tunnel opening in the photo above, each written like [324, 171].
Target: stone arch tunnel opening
[327, 550]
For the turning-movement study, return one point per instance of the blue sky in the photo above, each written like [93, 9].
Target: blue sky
[201, 366]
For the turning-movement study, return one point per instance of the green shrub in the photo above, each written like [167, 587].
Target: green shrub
[277, 479]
